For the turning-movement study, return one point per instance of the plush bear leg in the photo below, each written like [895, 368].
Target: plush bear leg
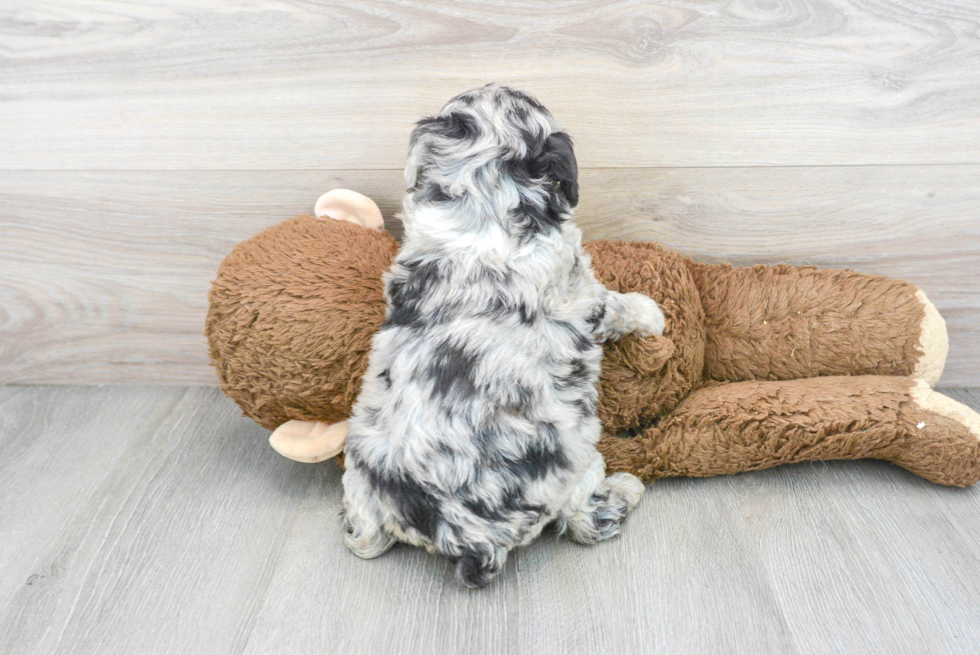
[789, 322]
[743, 426]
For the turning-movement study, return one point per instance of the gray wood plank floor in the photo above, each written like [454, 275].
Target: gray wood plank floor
[157, 520]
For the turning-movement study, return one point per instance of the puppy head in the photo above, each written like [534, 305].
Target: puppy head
[493, 153]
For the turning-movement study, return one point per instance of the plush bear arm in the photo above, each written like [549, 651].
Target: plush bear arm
[744, 426]
[786, 322]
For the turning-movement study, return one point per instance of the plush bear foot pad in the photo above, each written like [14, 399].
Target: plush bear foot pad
[933, 342]
[937, 403]
[309, 441]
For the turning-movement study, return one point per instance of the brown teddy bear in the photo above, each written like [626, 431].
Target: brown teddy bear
[757, 366]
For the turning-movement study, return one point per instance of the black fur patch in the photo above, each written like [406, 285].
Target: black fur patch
[485, 439]
[596, 317]
[578, 374]
[424, 126]
[457, 125]
[417, 507]
[481, 508]
[500, 307]
[608, 516]
[445, 449]
[454, 125]
[584, 342]
[517, 93]
[404, 315]
[452, 372]
[539, 459]
[408, 288]
[559, 163]
[527, 314]
[586, 406]
[536, 219]
[434, 193]
[552, 161]
[513, 503]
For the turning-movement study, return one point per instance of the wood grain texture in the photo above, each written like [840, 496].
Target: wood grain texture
[172, 548]
[889, 549]
[553, 597]
[104, 275]
[406, 601]
[47, 477]
[309, 85]
[169, 526]
[685, 575]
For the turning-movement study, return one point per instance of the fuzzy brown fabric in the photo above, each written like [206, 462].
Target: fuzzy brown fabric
[291, 317]
[745, 426]
[786, 322]
[644, 378]
[731, 386]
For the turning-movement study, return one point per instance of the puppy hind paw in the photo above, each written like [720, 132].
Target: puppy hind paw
[368, 546]
[606, 509]
[479, 564]
[364, 539]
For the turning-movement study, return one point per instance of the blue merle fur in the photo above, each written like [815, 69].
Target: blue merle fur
[476, 424]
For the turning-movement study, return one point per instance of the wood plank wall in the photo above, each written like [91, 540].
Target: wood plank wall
[140, 141]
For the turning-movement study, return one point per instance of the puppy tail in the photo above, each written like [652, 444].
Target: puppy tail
[479, 564]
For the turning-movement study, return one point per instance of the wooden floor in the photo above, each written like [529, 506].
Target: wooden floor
[157, 520]
[142, 139]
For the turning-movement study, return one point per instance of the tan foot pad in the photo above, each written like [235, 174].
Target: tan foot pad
[933, 342]
[309, 441]
[934, 401]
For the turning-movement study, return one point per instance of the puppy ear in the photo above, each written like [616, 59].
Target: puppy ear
[559, 164]
[417, 157]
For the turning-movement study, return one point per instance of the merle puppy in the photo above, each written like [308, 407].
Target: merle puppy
[476, 424]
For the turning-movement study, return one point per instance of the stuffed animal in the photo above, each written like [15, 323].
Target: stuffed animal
[757, 366]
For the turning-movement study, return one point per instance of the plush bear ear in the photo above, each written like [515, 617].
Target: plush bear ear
[347, 205]
[559, 164]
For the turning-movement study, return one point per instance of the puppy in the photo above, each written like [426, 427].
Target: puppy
[476, 423]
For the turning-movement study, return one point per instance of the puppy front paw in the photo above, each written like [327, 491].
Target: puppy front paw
[644, 316]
